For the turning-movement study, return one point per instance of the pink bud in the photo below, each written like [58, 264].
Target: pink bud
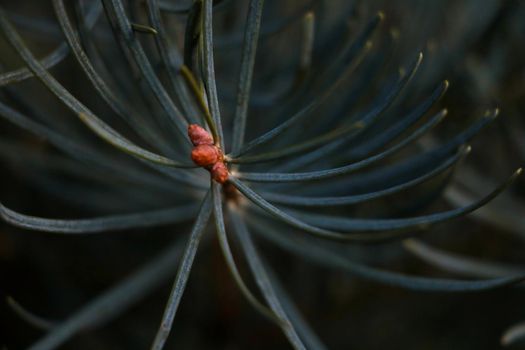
[205, 155]
[219, 172]
[199, 136]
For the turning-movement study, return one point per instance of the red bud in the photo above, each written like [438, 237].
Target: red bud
[205, 155]
[219, 172]
[199, 136]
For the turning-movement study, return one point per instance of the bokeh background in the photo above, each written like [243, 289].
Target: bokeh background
[476, 45]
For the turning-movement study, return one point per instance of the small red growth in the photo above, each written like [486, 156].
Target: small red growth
[219, 172]
[206, 154]
[199, 136]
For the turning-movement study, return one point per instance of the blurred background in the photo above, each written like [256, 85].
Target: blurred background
[477, 46]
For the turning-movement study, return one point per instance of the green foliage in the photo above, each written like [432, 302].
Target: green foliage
[309, 132]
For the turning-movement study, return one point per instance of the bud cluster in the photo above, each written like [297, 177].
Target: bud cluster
[206, 154]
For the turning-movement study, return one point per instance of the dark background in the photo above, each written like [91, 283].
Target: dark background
[477, 46]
